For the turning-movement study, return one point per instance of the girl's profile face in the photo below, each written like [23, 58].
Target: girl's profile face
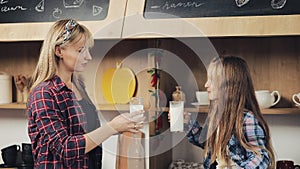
[210, 85]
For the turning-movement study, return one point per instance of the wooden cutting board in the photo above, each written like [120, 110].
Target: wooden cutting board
[118, 84]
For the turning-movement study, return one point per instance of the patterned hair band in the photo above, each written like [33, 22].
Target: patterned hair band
[70, 25]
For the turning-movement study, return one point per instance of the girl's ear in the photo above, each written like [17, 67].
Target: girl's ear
[58, 51]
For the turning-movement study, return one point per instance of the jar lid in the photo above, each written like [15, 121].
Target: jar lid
[4, 76]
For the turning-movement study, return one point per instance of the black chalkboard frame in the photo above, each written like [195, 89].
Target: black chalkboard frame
[108, 28]
[268, 25]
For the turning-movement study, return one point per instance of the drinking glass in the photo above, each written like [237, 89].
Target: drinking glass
[136, 104]
[176, 116]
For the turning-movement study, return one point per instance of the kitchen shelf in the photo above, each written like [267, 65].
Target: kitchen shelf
[274, 111]
[13, 106]
[125, 107]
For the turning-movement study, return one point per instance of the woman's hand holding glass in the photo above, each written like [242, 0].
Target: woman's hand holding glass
[131, 122]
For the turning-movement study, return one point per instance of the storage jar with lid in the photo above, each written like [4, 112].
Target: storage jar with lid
[5, 88]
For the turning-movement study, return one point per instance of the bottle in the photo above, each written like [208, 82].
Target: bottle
[136, 153]
[178, 95]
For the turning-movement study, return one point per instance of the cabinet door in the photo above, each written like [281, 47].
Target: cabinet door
[138, 24]
[107, 27]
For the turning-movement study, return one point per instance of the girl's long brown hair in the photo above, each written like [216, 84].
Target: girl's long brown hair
[231, 78]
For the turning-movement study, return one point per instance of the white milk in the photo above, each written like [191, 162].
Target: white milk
[176, 116]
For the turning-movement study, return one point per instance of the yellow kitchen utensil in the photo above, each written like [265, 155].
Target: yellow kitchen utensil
[118, 84]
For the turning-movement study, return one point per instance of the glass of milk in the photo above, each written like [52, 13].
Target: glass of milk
[136, 104]
[176, 115]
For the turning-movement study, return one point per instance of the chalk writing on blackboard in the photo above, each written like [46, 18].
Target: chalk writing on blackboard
[11, 8]
[241, 3]
[278, 4]
[72, 3]
[97, 10]
[171, 5]
[40, 7]
[57, 13]
[52, 10]
[214, 8]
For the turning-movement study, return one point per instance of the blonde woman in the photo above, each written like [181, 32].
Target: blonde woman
[236, 134]
[63, 125]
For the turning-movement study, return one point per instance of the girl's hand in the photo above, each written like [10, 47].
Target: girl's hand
[186, 117]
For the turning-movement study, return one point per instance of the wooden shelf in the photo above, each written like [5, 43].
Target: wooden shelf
[273, 111]
[125, 107]
[204, 109]
[13, 106]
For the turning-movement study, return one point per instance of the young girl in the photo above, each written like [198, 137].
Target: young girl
[63, 124]
[236, 135]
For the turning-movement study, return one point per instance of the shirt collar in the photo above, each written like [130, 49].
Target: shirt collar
[58, 83]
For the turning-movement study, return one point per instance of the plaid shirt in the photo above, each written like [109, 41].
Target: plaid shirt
[56, 125]
[242, 157]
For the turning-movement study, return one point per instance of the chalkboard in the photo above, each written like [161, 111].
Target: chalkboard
[52, 10]
[215, 8]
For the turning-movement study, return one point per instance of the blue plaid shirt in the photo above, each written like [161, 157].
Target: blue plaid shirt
[242, 157]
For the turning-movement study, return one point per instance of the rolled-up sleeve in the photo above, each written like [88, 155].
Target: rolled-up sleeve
[194, 134]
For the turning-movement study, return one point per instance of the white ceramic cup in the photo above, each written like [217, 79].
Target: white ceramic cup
[296, 99]
[176, 116]
[202, 97]
[266, 98]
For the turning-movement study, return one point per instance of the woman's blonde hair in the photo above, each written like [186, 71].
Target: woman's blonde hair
[62, 33]
[231, 78]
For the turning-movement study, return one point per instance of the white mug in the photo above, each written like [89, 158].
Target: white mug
[266, 98]
[295, 98]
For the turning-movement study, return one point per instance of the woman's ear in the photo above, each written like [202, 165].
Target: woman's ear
[58, 52]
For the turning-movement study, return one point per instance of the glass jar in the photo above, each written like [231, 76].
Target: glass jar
[178, 94]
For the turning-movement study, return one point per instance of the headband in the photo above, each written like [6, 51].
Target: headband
[70, 25]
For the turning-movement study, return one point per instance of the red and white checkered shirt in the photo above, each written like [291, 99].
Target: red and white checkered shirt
[56, 124]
